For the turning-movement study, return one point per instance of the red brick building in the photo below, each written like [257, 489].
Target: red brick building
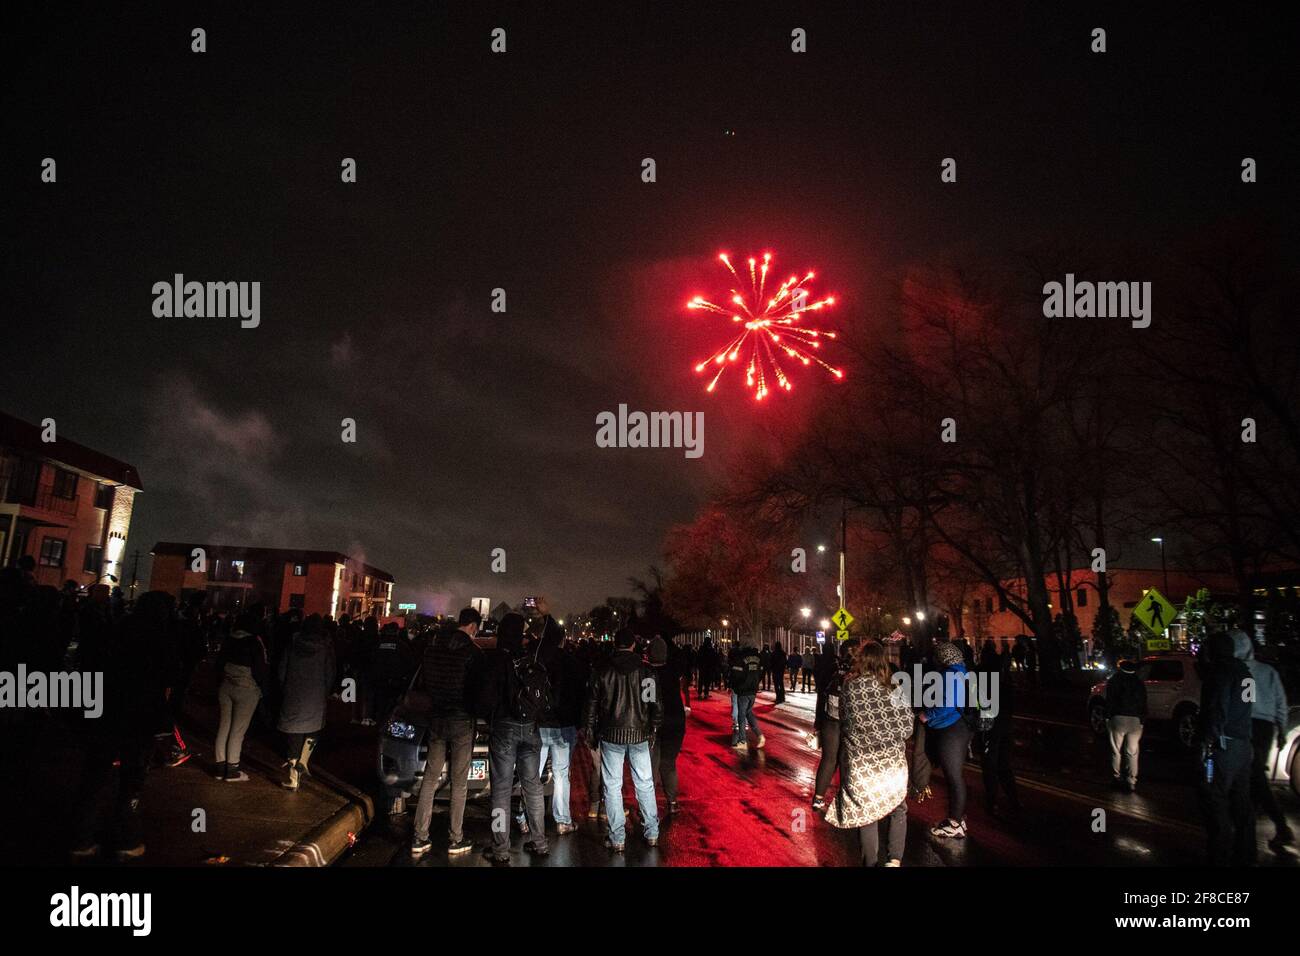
[65, 505]
[232, 577]
[985, 617]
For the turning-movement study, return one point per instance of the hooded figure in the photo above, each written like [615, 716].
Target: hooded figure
[1268, 723]
[307, 673]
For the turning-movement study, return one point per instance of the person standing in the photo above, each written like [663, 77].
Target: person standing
[765, 662]
[1126, 710]
[1268, 723]
[558, 726]
[746, 671]
[307, 673]
[877, 720]
[623, 711]
[995, 743]
[243, 666]
[1227, 751]
[794, 663]
[778, 662]
[826, 717]
[450, 674]
[520, 695]
[806, 673]
[947, 737]
[673, 693]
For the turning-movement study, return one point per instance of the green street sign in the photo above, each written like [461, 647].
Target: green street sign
[1155, 612]
[843, 619]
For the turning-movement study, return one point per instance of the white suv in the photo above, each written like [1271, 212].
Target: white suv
[1173, 695]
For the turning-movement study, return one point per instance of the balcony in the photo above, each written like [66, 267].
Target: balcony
[49, 501]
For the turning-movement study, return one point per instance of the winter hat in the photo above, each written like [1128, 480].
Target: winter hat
[947, 653]
[658, 651]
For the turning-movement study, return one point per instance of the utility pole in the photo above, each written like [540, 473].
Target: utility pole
[135, 574]
[844, 547]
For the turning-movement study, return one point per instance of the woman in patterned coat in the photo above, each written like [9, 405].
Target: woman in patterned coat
[876, 720]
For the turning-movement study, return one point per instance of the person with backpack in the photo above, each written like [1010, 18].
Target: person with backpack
[623, 710]
[521, 695]
[948, 734]
[449, 675]
[1126, 709]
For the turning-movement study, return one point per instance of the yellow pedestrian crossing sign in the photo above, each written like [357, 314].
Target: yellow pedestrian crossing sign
[1155, 612]
[843, 619]
[841, 635]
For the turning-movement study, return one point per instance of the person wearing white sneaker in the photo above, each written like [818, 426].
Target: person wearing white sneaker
[743, 679]
[875, 722]
[947, 737]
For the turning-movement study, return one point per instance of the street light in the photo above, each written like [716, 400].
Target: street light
[826, 624]
[821, 548]
[806, 612]
[920, 615]
[726, 623]
[907, 622]
[1164, 570]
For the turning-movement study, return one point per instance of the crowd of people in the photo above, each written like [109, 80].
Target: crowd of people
[542, 696]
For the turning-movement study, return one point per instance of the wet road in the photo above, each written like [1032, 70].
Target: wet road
[752, 807]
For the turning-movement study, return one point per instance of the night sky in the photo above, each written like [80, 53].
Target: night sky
[522, 171]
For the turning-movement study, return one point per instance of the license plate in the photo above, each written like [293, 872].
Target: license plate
[478, 770]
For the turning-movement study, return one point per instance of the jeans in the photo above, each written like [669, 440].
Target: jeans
[947, 748]
[237, 702]
[557, 742]
[735, 716]
[1125, 735]
[869, 836]
[611, 760]
[745, 715]
[829, 740]
[451, 740]
[663, 760]
[516, 745]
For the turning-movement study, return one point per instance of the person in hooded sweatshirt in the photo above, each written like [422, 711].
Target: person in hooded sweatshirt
[1268, 724]
[243, 666]
[1226, 749]
[947, 737]
[307, 672]
[1126, 709]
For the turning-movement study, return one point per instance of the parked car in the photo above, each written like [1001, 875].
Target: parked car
[1284, 763]
[1173, 695]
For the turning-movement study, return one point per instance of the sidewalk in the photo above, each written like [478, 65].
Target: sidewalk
[190, 818]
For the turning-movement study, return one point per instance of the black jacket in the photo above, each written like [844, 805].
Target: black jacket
[568, 676]
[746, 673]
[1126, 695]
[451, 674]
[670, 697]
[618, 709]
[1224, 710]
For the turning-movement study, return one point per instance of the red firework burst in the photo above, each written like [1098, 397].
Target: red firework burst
[775, 328]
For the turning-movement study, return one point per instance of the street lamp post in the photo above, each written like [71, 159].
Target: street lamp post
[1164, 570]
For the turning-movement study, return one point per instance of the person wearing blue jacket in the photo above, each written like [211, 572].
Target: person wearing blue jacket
[947, 738]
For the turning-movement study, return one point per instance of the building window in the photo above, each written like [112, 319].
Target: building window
[65, 483]
[299, 571]
[297, 600]
[1081, 598]
[52, 552]
[104, 497]
[94, 559]
[237, 568]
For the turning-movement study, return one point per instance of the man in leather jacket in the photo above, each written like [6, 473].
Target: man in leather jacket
[623, 711]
